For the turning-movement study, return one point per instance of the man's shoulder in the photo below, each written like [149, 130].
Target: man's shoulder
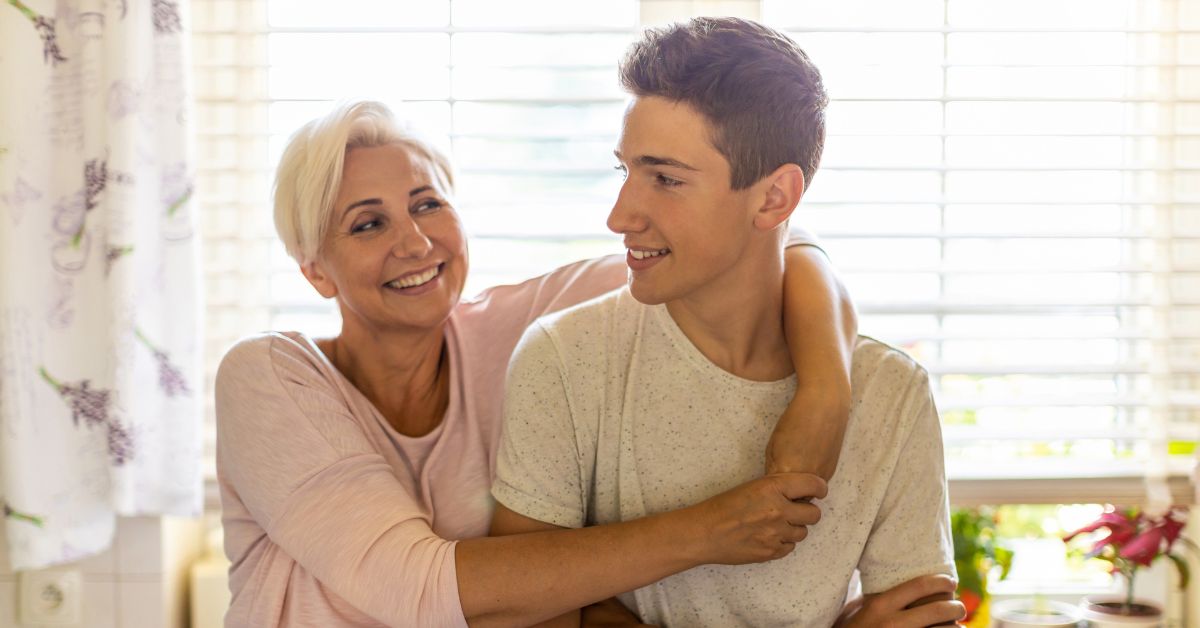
[598, 322]
[874, 358]
[884, 378]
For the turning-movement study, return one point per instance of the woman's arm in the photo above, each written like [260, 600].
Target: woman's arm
[532, 571]
[558, 289]
[821, 328]
[290, 449]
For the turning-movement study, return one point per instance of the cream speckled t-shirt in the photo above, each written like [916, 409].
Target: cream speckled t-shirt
[612, 414]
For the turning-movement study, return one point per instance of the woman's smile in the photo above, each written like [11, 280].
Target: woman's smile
[418, 282]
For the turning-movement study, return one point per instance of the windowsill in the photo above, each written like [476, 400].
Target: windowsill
[1097, 488]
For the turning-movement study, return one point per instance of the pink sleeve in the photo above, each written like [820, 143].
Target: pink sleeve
[307, 472]
[557, 290]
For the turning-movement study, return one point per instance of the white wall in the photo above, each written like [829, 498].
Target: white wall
[139, 583]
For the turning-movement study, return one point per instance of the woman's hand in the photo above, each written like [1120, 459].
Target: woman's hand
[758, 521]
[920, 602]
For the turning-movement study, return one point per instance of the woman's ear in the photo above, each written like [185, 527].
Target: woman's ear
[319, 280]
[785, 186]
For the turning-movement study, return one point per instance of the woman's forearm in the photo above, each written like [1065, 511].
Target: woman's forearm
[528, 575]
[527, 578]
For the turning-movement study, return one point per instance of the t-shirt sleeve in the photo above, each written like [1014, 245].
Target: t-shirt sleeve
[911, 535]
[539, 466]
[309, 476]
[557, 290]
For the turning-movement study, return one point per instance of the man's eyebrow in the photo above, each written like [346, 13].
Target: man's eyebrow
[378, 201]
[652, 160]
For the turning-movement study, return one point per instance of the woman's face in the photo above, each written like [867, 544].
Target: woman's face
[394, 253]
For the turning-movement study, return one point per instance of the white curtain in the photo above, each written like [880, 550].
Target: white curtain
[99, 286]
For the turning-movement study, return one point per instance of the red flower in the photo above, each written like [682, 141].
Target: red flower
[1121, 527]
[1144, 548]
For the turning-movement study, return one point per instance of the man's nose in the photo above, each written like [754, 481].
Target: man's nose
[625, 216]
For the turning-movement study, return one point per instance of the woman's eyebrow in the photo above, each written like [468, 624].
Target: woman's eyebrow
[378, 201]
[365, 201]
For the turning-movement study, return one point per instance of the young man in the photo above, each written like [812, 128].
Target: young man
[662, 394]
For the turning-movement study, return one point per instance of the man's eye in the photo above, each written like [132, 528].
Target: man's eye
[666, 181]
[364, 226]
[621, 169]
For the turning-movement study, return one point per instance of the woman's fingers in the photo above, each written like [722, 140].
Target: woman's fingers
[800, 486]
[801, 514]
[760, 520]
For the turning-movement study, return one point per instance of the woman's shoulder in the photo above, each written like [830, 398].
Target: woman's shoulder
[282, 353]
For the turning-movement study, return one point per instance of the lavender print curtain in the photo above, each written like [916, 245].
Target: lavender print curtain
[99, 286]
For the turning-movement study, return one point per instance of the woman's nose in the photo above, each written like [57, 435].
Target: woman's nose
[411, 242]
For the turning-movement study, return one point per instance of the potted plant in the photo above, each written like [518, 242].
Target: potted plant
[975, 554]
[1134, 540]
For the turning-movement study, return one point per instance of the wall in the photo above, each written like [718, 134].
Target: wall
[139, 583]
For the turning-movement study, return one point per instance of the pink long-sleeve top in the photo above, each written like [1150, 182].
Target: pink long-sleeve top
[332, 517]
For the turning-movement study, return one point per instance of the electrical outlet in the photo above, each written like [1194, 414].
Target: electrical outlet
[51, 597]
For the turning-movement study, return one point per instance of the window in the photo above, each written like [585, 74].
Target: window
[1011, 190]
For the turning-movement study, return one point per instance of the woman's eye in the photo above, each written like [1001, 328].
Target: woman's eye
[666, 181]
[427, 206]
[366, 225]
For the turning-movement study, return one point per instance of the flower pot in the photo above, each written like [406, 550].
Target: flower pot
[1026, 613]
[1107, 611]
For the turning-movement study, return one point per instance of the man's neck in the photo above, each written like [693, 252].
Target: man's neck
[737, 320]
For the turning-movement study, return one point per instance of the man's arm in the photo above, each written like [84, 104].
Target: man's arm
[910, 535]
[920, 602]
[611, 613]
[822, 329]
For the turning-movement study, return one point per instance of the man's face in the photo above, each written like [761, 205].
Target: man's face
[685, 228]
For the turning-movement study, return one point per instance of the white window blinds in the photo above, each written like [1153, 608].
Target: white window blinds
[1011, 190]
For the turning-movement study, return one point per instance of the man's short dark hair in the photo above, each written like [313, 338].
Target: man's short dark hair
[759, 91]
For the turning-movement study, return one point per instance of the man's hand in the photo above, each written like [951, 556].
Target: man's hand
[920, 602]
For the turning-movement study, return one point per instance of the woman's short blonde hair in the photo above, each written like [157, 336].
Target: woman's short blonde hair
[310, 170]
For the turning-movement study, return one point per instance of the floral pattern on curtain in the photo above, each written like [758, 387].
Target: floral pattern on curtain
[99, 281]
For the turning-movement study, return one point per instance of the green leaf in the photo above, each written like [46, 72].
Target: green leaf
[1004, 558]
[1184, 572]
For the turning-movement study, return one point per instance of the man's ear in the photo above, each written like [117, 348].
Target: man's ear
[784, 187]
[319, 280]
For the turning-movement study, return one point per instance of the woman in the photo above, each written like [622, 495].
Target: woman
[355, 470]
